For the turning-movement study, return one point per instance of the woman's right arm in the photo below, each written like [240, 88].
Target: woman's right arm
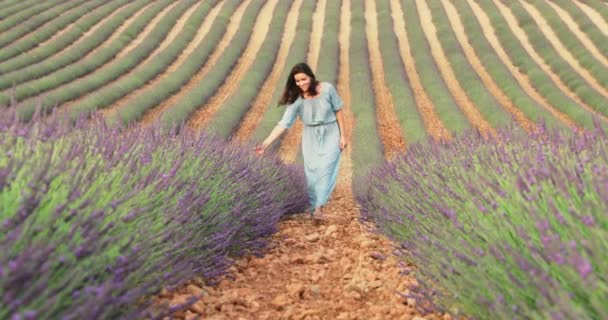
[274, 134]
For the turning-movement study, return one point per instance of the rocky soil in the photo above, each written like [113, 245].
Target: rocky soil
[337, 269]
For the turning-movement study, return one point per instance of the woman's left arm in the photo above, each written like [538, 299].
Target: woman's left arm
[342, 126]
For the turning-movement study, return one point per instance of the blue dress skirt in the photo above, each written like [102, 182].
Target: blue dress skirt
[320, 140]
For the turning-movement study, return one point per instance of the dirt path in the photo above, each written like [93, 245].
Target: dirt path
[580, 34]
[288, 150]
[260, 29]
[343, 87]
[485, 77]
[595, 17]
[254, 115]
[522, 79]
[235, 20]
[462, 100]
[561, 49]
[391, 133]
[200, 35]
[432, 123]
[177, 28]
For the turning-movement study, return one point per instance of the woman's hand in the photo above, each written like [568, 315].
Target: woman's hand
[342, 142]
[259, 149]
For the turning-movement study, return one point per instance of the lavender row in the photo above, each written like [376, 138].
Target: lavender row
[515, 227]
[95, 219]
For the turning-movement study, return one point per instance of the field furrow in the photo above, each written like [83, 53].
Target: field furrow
[389, 128]
[51, 29]
[521, 35]
[73, 82]
[131, 80]
[258, 108]
[207, 111]
[476, 64]
[290, 146]
[343, 87]
[431, 120]
[231, 30]
[10, 7]
[251, 85]
[14, 23]
[22, 34]
[595, 17]
[43, 61]
[580, 35]
[469, 109]
[561, 49]
[396, 80]
[201, 33]
[522, 79]
[82, 19]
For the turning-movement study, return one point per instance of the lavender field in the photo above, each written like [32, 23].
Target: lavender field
[93, 219]
[516, 225]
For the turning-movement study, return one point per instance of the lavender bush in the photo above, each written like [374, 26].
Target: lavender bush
[511, 228]
[94, 219]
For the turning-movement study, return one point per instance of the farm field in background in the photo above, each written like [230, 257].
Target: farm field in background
[411, 72]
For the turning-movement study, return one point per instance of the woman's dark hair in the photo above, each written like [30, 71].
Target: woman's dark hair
[292, 92]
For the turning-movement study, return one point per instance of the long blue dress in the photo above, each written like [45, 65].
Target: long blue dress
[320, 140]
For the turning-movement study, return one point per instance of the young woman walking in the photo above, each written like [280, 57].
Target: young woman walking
[323, 139]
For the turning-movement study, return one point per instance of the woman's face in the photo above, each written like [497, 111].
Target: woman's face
[302, 81]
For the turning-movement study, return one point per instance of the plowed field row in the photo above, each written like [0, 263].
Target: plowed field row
[149, 63]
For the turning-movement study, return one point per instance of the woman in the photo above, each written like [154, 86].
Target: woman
[319, 107]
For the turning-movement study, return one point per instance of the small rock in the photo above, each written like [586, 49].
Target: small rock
[411, 302]
[280, 301]
[375, 284]
[367, 244]
[343, 316]
[353, 294]
[295, 290]
[196, 290]
[315, 291]
[198, 307]
[331, 229]
[191, 316]
[312, 237]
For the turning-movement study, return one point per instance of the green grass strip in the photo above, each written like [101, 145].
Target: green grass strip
[32, 23]
[135, 109]
[447, 110]
[468, 79]
[499, 72]
[541, 82]
[367, 147]
[559, 65]
[143, 74]
[586, 25]
[192, 100]
[396, 78]
[76, 52]
[79, 85]
[227, 119]
[79, 28]
[297, 53]
[48, 30]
